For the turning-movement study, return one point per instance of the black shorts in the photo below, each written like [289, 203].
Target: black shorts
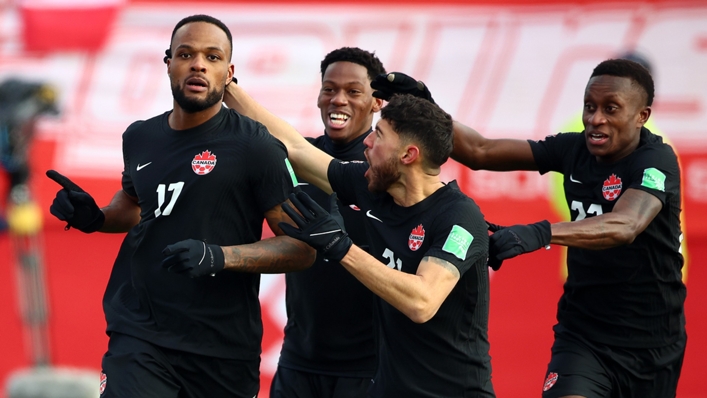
[290, 383]
[136, 368]
[580, 367]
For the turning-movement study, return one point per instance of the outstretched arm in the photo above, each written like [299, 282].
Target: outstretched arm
[470, 148]
[418, 296]
[632, 213]
[634, 210]
[309, 162]
[479, 153]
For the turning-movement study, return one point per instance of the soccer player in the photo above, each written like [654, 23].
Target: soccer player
[328, 349]
[428, 253]
[197, 183]
[621, 325]
[575, 124]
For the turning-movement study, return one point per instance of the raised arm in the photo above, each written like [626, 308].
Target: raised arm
[470, 148]
[309, 162]
[479, 153]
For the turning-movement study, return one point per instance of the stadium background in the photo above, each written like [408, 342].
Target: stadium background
[511, 69]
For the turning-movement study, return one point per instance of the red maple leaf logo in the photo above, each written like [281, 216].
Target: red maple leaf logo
[206, 155]
[203, 163]
[612, 187]
[417, 236]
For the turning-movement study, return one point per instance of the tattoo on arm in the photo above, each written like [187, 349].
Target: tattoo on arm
[274, 255]
[443, 263]
[275, 216]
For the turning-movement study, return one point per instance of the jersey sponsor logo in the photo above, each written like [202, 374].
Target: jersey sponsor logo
[550, 381]
[292, 173]
[417, 236]
[458, 242]
[102, 385]
[142, 166]
[612, 188]
[203, 163]
[653, 179]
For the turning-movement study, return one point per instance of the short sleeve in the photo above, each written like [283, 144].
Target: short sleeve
[655, 170]
[461, 236]
[126, 179]
[550, 152]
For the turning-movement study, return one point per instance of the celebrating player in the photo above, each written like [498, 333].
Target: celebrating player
[621, 325]
[427, 261]
[328, 349]
[195, 178]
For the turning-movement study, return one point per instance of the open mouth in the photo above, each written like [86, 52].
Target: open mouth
[196, 84]
[597, 138]
[338, 119]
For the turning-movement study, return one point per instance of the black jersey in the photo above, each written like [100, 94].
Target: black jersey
[448, 355]
[329, 312]
[213, 182]
[630, 295]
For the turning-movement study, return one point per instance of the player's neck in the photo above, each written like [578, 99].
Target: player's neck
[414, 187]
[181, 120]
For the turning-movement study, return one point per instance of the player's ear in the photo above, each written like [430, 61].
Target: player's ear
[412, 153]
[644, 115]
[231, 73]
[377, 105]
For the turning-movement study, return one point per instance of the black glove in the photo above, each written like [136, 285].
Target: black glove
[322, 230]
[518, 239]
[387, 85]
[493, 262]
[193, 258]
[494, 227]
[75, 206]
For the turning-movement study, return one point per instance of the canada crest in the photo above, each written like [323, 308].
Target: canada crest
[611, 188]
[203, 163]
[550, 381]
[417, 236]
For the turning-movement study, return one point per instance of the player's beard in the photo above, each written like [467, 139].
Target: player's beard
[194, 105]
[383, 176]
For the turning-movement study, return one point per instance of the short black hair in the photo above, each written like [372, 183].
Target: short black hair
[199, 18]
[357, 56]
[424, 123]
[630, 69]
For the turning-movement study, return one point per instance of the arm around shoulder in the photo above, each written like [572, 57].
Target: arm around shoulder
[480, 153]
[308, 161]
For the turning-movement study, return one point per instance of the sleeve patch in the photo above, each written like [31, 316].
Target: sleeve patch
[458, 242]
[653, 179]
[292, 172]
